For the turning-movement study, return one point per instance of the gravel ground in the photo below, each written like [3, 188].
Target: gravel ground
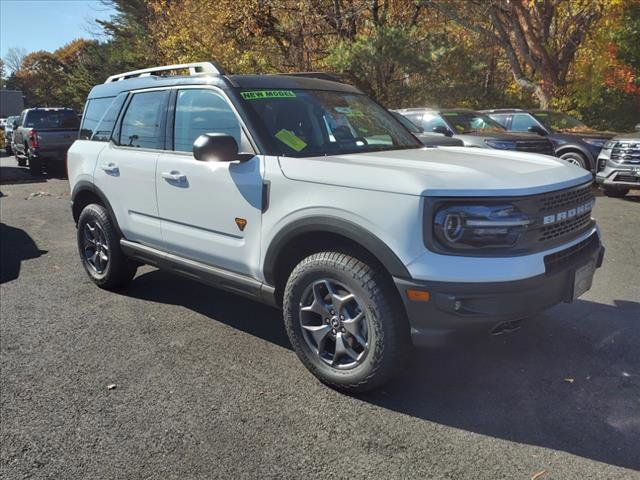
[206, 384]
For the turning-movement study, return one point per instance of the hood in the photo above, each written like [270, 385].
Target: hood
[500, 135]
[442, 171]
[438, 139]
[586, 134]
[635, 136]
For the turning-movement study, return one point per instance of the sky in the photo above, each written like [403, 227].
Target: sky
[47, 24]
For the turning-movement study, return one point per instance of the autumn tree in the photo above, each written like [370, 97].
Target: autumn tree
[539, 38]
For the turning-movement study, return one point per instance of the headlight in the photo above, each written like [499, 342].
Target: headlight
[609, 144]
[596, 142]
[501, 144]
[461, 227]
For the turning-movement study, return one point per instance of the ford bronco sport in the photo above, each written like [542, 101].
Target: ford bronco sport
[306, 194]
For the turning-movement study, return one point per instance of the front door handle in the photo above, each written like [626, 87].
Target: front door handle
[174, 176]
[109, 167]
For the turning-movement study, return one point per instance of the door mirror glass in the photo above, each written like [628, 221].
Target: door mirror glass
[442, 129]
[216, 147]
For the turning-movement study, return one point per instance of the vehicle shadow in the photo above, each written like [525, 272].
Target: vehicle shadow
[568, 380]
[16, 246]
[238, 312]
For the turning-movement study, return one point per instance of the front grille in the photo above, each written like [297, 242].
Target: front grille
[626, 152]
[544, 147]
[563, 228]
[560, 260]
[627, 178]
[567, 198]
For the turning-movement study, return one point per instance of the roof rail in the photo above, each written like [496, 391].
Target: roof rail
[194, 69]
[319, 75]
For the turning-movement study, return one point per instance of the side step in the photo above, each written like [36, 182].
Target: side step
[214, 276]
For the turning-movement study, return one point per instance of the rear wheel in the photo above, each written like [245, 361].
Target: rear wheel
[575, 158]
[22, 160]
[345, 321]
[615, 192]
[35, 164]
[99, 249]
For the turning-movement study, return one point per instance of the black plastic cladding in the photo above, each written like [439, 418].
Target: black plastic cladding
[538, 237]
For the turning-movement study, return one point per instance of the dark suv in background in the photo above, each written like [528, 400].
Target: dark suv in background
[475, 129]
[573, 140]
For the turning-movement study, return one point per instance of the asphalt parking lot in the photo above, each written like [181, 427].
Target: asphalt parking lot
[206, 385]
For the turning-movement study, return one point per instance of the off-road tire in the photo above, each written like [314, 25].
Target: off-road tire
[389, 334]
[119, 270]
[615, 192]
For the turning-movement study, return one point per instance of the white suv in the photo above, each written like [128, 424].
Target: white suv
[306, 194]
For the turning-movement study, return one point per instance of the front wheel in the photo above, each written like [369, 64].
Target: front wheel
[99, 249]
[575, 158]
[345, 321]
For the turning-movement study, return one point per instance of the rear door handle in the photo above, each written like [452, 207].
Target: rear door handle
[174, 176]
[109, 167]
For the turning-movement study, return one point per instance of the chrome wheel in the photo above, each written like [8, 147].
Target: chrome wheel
[94, 246]
[334, 324]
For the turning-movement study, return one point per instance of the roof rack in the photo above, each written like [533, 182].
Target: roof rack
[194, 69]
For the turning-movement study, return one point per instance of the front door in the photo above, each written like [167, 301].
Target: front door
[210, 211]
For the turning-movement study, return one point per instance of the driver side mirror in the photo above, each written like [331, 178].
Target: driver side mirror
[218, 147]
[537, 129]
[443, 130]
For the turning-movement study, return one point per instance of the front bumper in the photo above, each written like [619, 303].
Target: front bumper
[619, 175]
[455, 307]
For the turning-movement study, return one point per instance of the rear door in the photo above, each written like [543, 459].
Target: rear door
[211, 211]
[126, 168]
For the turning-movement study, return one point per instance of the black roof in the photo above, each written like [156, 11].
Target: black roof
[272, 81]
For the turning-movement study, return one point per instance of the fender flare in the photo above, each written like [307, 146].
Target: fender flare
[86, 186]
[334, 225]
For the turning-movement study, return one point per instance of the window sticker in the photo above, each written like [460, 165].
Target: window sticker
[291, 140]
[260, 94]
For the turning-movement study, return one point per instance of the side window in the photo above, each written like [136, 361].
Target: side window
[501, 118]
[521, 122]
[103, 130]
[142, 124]
[431, 120]
[200, 111]
[92, 114]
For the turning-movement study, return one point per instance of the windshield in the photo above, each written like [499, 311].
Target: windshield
[52, 119]
[305, 123]
[560, 121]
[471, 122]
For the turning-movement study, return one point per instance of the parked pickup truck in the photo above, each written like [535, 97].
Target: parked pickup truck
[43, 137]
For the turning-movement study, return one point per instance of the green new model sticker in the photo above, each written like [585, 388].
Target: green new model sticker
[260, 94]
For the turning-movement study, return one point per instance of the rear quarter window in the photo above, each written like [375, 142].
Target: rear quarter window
[93, 112]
